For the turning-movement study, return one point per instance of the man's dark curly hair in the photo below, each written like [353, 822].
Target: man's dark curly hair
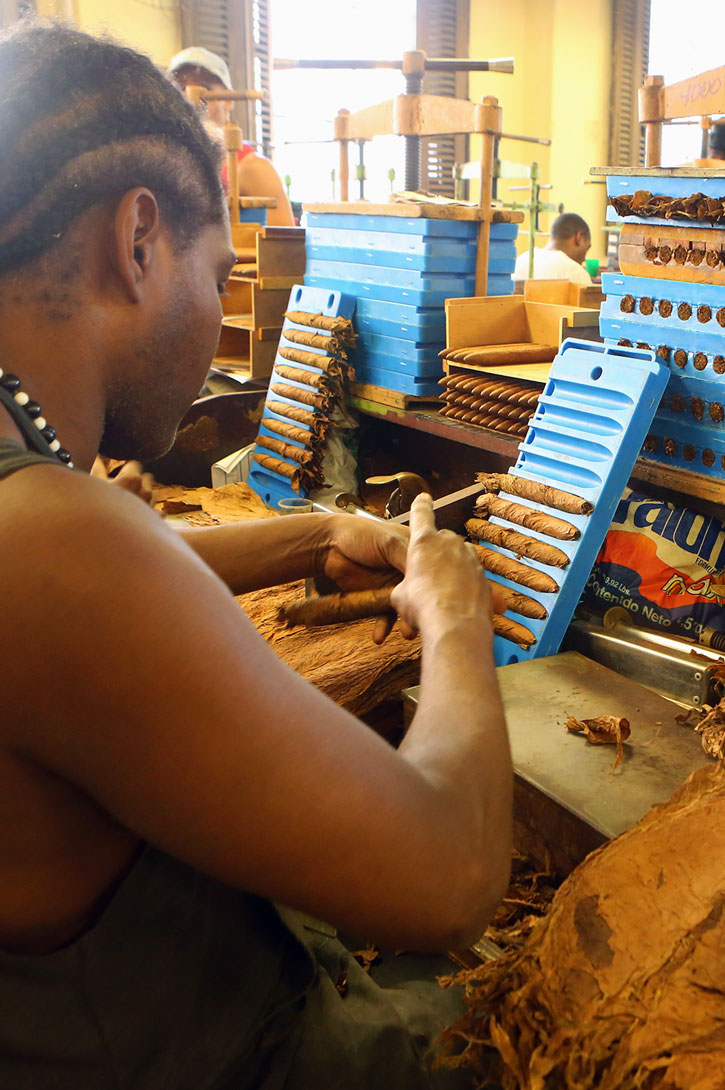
[83, 121]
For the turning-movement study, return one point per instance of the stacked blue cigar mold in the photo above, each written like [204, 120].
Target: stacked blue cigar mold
[681, 318]
[400, 271]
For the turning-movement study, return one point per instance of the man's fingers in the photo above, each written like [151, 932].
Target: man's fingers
[498, 601]
[383, 627]
[422, 519]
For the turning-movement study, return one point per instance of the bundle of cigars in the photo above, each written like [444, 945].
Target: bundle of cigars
[300, 435]
[337, 608]
[502, 405]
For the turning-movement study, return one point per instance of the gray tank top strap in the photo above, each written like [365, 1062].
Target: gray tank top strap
[13, 456]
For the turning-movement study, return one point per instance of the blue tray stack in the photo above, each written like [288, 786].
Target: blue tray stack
[684, 323]
[401, 270]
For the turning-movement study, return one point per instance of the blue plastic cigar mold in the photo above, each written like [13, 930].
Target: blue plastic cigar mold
[691, 334]
[402, 271]
[584, 438]
[678, 442]
[272, 487]
[692, 401]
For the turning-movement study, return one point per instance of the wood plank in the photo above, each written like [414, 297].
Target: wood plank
[280, 257]
[279, 283]
[684, 481]
[268, 307]
[528, 372]
[262, 357]
[238, 321]
[430, 422]
[286, 233]
[372, 121]
[433, 115]
[658, 172]
[238, 299]
[379, 395]
[634, 238]
[632, 262]
[268, 333]
[701, 94]
[414, 210]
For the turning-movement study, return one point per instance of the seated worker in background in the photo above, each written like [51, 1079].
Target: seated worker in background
[158, 802]
[716, 142]
[257, 176]
[563, 255]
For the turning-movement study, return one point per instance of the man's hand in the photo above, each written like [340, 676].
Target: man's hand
[362, 553]
[443, 576]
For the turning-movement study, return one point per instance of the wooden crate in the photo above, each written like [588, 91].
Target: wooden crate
[564, 293]
[509, 319]
[272, 261]
[245, 353]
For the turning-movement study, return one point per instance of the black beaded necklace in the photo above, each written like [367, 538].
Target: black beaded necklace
[28, 417]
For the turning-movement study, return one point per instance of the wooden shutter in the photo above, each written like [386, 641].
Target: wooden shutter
[442, 31]
[238, 30]
[630, 58]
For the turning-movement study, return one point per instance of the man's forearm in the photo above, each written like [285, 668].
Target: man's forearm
[251, 555]
[458, 740]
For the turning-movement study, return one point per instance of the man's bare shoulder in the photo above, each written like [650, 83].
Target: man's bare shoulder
[50, 503]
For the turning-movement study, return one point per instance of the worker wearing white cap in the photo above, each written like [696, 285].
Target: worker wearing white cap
[257, 177]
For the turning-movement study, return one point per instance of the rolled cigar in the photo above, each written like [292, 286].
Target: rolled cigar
[517, 543]
[307, 397]
[513, 631]
[521, 603]
[489, 504]
[506, 427]
[533, 490]
[340, 326]
[329, 342]
[294, 473]
[337, 608]
[296, 374]
[501, 353]
[286, 450]
[516, 572]
[331, 366]
[303, 416]
[289, 431]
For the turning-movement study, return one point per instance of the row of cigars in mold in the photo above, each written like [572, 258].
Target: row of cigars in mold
[670, 299]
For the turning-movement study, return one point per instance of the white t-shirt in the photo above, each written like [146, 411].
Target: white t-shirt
[550, 265]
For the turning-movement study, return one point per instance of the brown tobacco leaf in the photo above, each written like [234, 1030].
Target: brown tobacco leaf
[695, 207]
[712, 729]
[367, 957]
[622, 985]
[603, 730]
[178, 507]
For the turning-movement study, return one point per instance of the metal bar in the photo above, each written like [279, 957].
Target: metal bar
[413, 144]
[432, 64]
[281, 64]
[526, 139]
[461, 64]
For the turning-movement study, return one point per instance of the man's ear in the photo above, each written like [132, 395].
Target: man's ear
[136, 233]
